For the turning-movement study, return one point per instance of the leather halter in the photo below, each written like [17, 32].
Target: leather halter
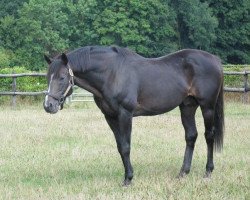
[71, 84]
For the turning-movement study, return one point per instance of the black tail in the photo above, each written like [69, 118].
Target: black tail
[219, 121]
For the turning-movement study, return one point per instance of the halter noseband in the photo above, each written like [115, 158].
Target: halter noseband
[71, 84]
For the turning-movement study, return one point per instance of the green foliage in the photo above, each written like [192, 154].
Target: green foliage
[145, 26]
[40, 28]
[233, 31]
[196, 24]
[24, 84]
[8, 7]
[4, 59]
[29, 29]
[81, 16]
[235, 80]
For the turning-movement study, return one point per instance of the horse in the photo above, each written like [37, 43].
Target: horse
[125, 84]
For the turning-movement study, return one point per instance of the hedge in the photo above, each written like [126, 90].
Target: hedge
[24, 84]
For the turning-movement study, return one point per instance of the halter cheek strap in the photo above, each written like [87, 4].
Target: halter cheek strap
[71, 81]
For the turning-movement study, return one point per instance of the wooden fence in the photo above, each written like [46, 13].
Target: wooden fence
[14, 93]
[88, 96]
[245, 89]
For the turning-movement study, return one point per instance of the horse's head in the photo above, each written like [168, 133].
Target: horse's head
[60, 82]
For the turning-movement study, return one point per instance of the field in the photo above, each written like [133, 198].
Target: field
[73, 155]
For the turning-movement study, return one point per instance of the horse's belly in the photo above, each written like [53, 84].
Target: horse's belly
[156, 108]
[161, 95]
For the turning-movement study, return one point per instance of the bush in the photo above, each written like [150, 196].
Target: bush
[4, 58]
[24, 84]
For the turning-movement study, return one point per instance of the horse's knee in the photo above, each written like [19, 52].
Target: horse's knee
[124, 149]
[209, 135]
[191, 138]
[209, 113]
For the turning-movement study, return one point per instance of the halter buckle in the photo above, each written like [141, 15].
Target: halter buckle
[71, 72]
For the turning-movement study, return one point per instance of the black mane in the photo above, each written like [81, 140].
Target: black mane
[80, 57]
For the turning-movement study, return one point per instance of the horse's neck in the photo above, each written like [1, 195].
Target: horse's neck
[85, 85]
[92, 77]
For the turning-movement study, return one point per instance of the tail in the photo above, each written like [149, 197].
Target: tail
[219, 121]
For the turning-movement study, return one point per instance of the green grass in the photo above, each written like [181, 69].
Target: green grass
[72, 155]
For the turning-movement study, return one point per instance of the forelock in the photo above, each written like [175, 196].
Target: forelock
[54, 68]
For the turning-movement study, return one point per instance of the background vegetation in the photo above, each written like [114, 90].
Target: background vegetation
[24, 84]
[30, 28]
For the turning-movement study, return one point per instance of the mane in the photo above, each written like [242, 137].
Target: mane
[80, 57]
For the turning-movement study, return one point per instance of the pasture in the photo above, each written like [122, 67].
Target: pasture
[73, 155]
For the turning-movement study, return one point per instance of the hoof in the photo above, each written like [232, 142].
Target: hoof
[181, 175]
[208, 175]
[126, 183]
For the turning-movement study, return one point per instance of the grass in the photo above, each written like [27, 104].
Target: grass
[72, 155]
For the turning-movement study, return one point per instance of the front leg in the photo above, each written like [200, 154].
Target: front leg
[122, 126]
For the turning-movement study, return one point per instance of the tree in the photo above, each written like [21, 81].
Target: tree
[40, 27]
[80, 21]
[233, 32]
[8, 7]
[145, 26]
[30, 28]
[195, 24]
[4, 58]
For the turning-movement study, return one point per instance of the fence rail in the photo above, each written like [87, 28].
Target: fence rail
[21, 75]
[245, 89]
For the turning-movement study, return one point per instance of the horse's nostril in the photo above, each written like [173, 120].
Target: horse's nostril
[50, 105]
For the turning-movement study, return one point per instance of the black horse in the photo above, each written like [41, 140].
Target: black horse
[125, 84]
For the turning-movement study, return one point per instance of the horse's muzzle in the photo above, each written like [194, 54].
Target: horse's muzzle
[51, 108]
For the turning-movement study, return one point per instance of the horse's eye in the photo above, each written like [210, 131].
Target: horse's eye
[62, 78]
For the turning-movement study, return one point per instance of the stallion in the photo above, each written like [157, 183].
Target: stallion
[125, 84]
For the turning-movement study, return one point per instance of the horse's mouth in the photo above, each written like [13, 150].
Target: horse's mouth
[52, 109]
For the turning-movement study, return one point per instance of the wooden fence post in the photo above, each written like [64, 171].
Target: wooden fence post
[245, 95]
[13, 103]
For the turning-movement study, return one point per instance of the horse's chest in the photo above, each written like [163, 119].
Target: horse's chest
[105, 107]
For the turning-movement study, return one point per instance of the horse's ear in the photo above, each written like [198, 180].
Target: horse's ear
[48, 60]
[64, 58]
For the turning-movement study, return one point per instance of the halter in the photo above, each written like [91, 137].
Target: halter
[71, 84]
[71, 81]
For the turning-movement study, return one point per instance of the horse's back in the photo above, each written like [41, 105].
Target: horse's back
[201, 61]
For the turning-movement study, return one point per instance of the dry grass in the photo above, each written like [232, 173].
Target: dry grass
[72, 155]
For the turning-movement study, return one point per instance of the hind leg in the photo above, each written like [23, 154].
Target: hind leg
[188, 109]
[208, 115]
